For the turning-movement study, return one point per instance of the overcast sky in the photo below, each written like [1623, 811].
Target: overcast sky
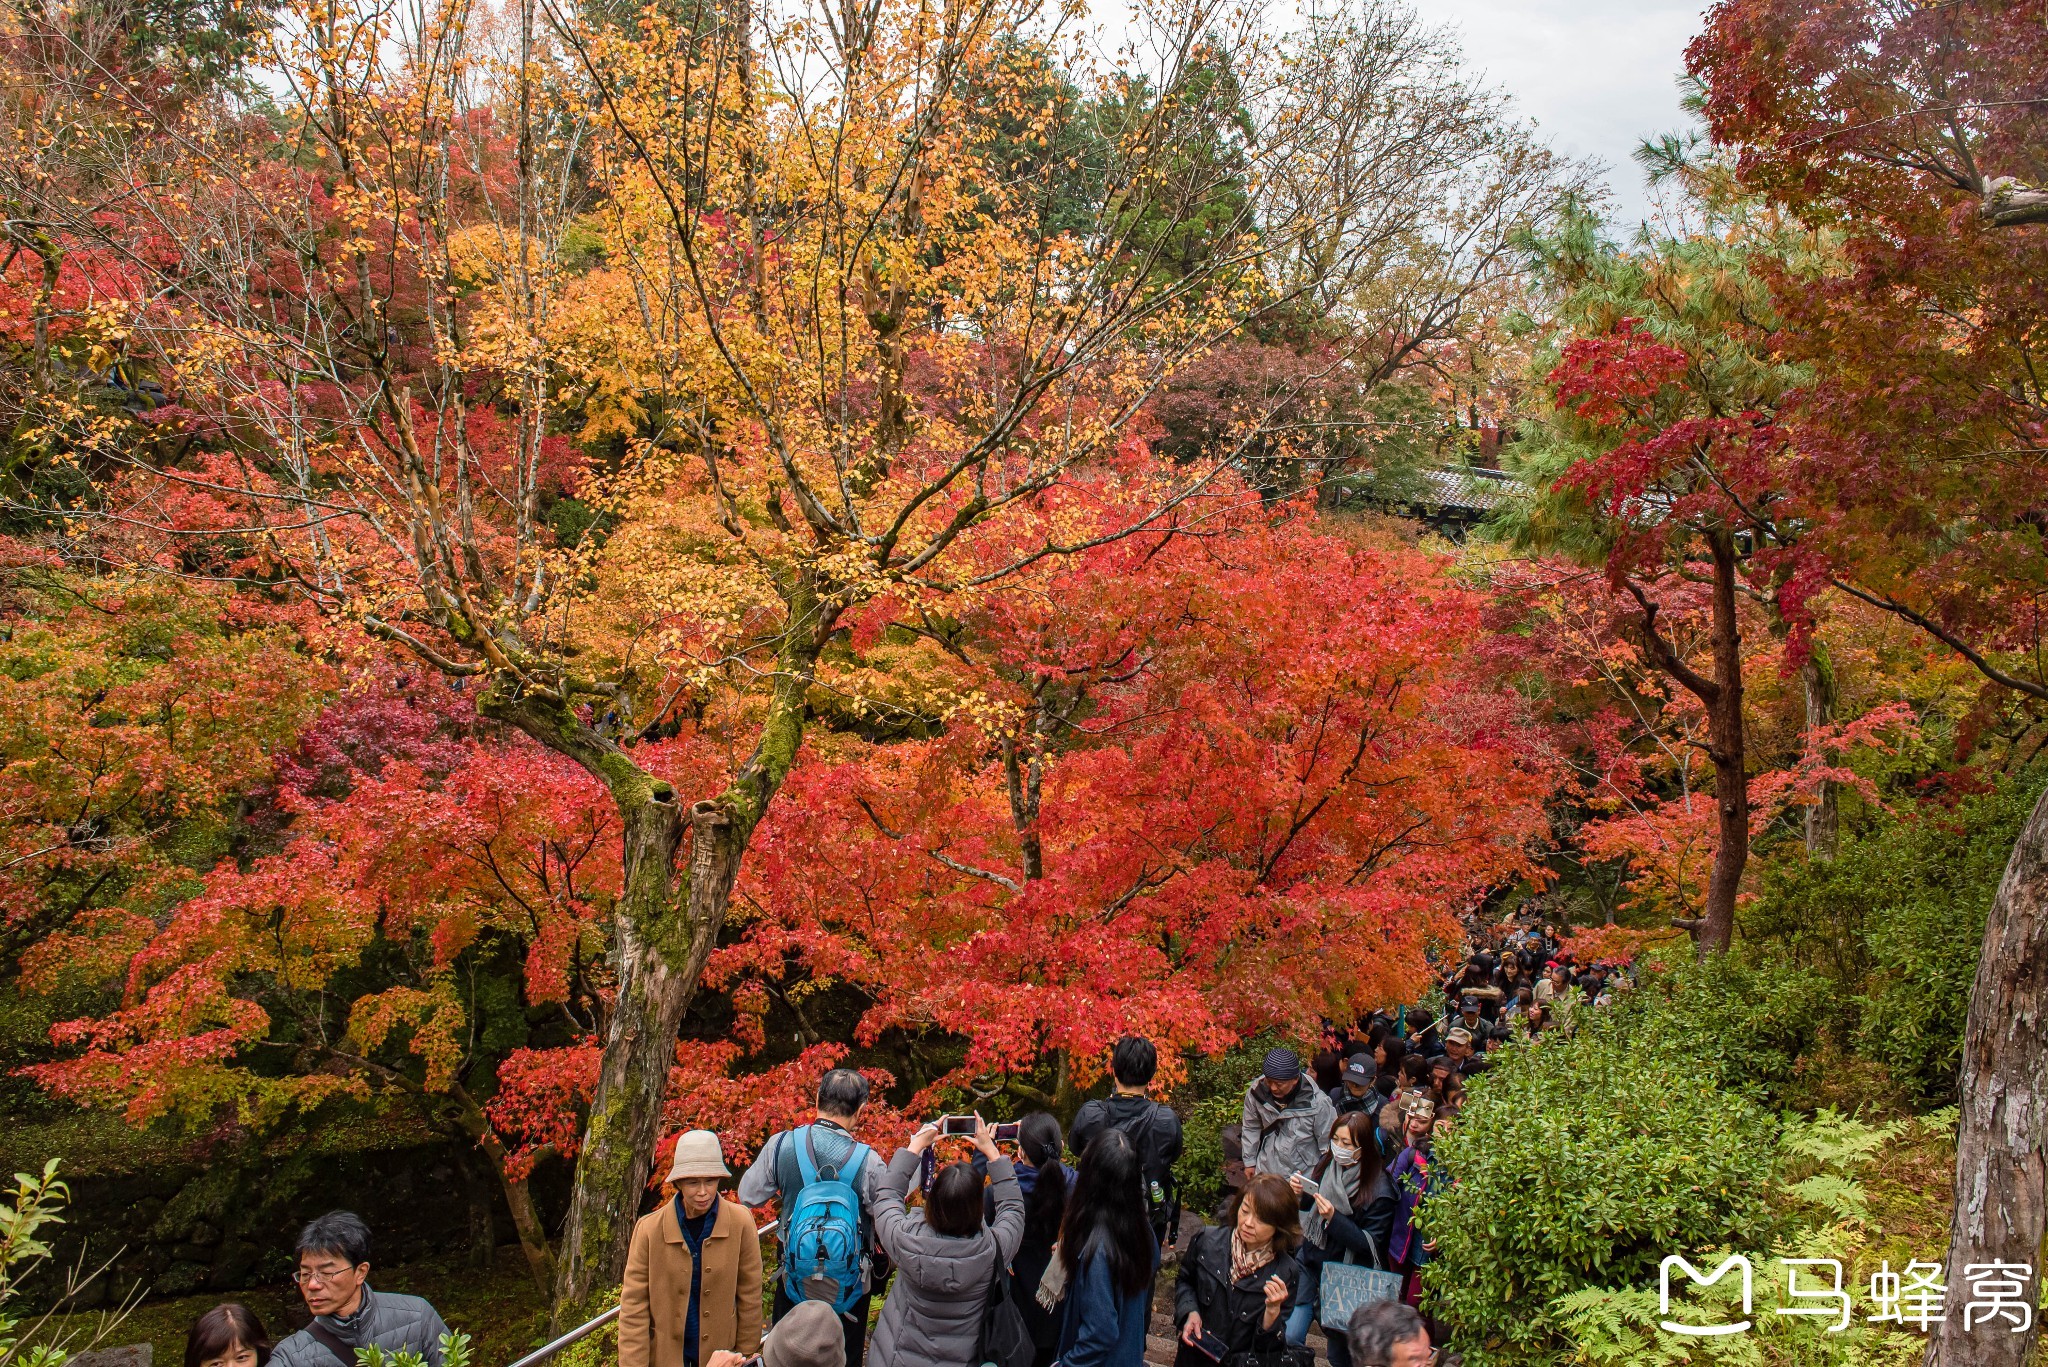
[1597, 75]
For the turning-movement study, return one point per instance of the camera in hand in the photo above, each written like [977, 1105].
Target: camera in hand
[1006, 1133]
[956, 1124]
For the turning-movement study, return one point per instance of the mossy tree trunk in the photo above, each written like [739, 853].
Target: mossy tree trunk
[667, 920]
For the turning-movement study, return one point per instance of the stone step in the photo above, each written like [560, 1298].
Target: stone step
[1161, 1343]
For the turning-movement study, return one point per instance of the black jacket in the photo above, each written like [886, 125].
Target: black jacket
[1153, 1129]
[1233, 1311]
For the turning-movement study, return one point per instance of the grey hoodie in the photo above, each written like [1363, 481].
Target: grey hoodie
[391, 1322]
[933, 1314]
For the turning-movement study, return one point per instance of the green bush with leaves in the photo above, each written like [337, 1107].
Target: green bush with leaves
[1748, 1023]
[1581, 1162]
[1199, 1173]
[454, 1353]
[1823, 1214]
[32, 1205]
[1912, 894]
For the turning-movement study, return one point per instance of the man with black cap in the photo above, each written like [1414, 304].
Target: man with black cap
[1354, 1092]
[1479, 1031]
[1286, 1125]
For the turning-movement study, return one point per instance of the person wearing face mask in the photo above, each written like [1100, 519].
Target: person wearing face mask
[1350, 1215]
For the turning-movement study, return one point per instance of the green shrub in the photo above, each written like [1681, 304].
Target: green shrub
[1824, 1214]
[1913, 893]
[1581, 1163]
[1924, 934]
[1199, 1173]
[1748, 1022]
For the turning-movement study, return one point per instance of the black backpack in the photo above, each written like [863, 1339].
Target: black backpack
[1142, 1129]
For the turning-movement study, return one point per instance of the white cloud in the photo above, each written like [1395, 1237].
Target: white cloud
[1598, 76]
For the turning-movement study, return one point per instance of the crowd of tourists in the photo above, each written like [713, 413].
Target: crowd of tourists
[1035, 1247]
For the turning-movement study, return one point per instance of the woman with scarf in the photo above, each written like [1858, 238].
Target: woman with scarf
[1413, 1180]
[1350, 1212]
[1236, 1283]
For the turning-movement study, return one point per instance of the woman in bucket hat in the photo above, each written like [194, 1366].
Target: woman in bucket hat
[693, 1275]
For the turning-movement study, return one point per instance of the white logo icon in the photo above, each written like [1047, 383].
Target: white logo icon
[1701, 1330]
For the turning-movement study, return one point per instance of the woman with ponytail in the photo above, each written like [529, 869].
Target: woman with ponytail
[1046, 1182]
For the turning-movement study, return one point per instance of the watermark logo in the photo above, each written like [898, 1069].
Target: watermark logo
[1916, 1298]
[1698, 1279]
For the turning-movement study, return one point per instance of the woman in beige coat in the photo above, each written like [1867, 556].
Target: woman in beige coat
[693, 1277]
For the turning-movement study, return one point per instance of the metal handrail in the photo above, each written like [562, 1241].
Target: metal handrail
[589, 1327]
[581, 1331]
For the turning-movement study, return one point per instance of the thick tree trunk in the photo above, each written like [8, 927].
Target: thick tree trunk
[1724, 736]
[2001, 1188]
[656, 984]
[1823, 818]
[639, 1050]
[659, 953]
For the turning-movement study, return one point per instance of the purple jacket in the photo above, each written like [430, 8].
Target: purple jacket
[1412, 1181]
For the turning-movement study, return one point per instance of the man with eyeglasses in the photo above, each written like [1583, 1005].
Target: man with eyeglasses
[334, 1277]
[1389, 1334]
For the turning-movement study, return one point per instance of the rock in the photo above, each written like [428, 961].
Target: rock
[180, 1279]
[129, 1355]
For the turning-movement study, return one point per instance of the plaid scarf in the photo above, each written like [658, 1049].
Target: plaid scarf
[1245, 1261]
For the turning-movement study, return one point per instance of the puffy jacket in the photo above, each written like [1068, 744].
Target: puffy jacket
[393, 1323]
[934, 1311]
[1286, 1137]
[1234, 1311]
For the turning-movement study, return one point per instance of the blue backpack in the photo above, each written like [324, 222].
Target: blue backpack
[824, 1257]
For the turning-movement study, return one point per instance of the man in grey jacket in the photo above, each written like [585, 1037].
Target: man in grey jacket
[1286, 1125]
[334, 1277]
[776, 1175]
